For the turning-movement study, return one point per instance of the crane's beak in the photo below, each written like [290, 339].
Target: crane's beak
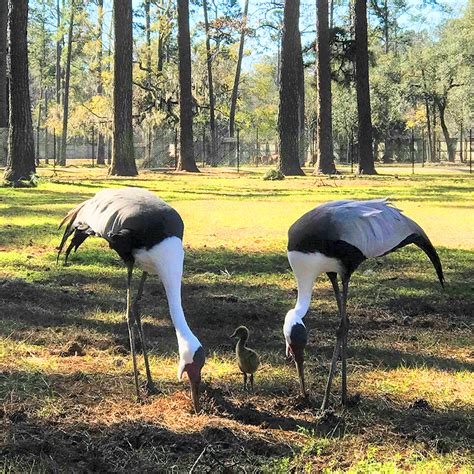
[194, 375]
[195, 396]
[300, 369]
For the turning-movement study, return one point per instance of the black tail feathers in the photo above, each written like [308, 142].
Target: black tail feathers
[424, 244]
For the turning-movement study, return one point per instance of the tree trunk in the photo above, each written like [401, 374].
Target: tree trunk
[67, 78]
[235, 89]
[442, 121]
[186, 157]
[3, 82]
[288, 116]
[100, 82]
[301, 106]
[123, 153]
[366, 154]
[58, 53]
[212, 118]
[21, 153]
[325, 145]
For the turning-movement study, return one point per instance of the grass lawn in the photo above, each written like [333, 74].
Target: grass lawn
[66, 385]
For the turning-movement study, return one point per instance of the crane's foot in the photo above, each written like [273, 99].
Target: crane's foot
[150, 388]
[352, 401]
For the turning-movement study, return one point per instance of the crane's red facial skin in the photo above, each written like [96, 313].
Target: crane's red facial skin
[194, 372]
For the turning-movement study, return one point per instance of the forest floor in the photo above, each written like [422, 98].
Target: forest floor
[66, 385]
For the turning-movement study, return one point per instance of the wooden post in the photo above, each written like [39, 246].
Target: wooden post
[412, 150]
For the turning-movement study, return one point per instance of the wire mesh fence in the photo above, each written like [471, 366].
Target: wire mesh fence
[159, 148]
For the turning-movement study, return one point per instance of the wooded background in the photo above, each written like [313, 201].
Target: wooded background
[283, 83]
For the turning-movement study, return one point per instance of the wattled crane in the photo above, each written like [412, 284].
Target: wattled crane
[335, 238]
[146, 231]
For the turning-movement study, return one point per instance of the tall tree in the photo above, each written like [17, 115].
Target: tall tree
[100, 80]
[288, 115]
[301, 104]
[123, 155]
[212, 106]
[21, 154]
[67, 81]
[325, 151]
[3, 81]
[235, 88]
[186, 157]
[364, 133]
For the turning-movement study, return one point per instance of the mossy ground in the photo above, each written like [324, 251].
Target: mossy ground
[410, 349]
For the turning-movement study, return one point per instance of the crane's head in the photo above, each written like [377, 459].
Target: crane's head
[296, 338]
[192, 366]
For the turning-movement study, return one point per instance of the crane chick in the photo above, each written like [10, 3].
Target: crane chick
[247, 359]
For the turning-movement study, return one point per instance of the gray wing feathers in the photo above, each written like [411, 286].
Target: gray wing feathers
[106, 213]
[374, 226]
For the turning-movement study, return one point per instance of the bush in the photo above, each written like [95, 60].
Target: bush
[273, 175]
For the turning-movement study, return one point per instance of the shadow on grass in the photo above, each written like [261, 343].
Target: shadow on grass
[133, 447]
[65, 442]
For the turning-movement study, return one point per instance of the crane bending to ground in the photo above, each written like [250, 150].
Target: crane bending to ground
[335, 238]
[146, 231]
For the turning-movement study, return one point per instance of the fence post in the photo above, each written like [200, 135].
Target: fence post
[460, 144]
[412, 150]
[352, 151]
[175, 148]
[423, 153]
[238, 151]
[258, 149]
[92, 145]
[203, 146]
[470, 150]
[54, 147]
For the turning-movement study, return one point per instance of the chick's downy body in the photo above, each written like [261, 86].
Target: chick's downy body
[247, 359]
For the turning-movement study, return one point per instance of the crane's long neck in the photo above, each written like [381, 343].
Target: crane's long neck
[305, 291]
[183, 332]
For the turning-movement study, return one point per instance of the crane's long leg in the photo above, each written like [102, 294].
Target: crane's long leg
[130, 326]
[345, 331]
[337, 347]
[150, 386]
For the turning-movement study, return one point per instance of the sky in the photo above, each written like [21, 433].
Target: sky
[427, 17]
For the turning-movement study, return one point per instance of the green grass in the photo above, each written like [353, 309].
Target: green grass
[409, 340]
